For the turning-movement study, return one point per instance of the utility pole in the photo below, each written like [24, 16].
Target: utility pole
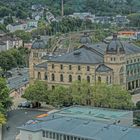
[62, 8]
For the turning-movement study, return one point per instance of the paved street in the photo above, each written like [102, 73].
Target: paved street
[18, 80]
[17, 118]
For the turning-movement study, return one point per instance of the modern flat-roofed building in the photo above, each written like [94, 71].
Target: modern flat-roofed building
[121, 117]
[80, 123]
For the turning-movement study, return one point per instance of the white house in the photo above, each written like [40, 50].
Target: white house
[16, 26]
[32, 24]
[11, 42]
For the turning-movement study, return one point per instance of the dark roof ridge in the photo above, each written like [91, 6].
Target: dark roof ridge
[93, 50]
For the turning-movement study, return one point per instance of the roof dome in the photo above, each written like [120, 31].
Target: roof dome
[38, 44]
[85, 39]
[115, 46]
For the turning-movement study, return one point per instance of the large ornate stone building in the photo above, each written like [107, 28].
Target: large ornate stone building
[113, 63]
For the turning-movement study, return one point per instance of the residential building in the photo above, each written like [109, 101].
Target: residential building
[16, 26]
[32, 24]
[11, 42]
[2, 46]
[115, 63]
[80, 123]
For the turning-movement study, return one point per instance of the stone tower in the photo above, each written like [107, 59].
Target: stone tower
[38, 50]
[115, 59]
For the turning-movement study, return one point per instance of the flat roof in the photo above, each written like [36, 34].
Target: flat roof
[99, 114]
[84, 128]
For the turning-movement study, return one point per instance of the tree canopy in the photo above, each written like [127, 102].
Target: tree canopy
[81, 93]
[37, 92]
[5, 100]
[14, 58]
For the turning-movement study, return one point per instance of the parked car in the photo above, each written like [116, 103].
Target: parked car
[25, 104]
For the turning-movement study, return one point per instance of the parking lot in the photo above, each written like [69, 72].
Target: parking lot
[17, 118]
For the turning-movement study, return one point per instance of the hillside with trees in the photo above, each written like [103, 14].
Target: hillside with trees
[98, 7]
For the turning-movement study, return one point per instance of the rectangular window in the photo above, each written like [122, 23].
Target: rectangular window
[47, 134]
[61, 66]
[70, 67]
[52, 66]
[53, 135]
[57, 136]
[88, 68]
[43, 133]
[68, 137]
[79, 68]
[50, 135]
[61, 137]
[64, 137]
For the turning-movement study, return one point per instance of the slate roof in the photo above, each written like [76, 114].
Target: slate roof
[85, 39]
[42, 65]
[84, 129]
[103, 68]
[129, 48]
[83, 55]
[38, 44]
[91, 54]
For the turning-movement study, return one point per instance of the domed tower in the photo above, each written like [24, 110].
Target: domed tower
[85, 39]
[115, 59]
[38, 50]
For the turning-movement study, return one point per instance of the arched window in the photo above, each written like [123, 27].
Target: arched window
[88, 79]
[39, 76]
[61, 78]
[107, 79]
[70, 78]
[45, 76]
[79, 78]
[53, 77]
[99, 79]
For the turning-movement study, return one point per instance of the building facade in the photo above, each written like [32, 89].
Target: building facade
[114, 63]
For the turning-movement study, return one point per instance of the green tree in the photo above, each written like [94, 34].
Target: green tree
[19, 58]
[5, 100]
[25, 36]
[37, 92]
[7, 61]
[112, 96]
[60, 96]
[134, 19]
[81, 92]
[8, 20]
[2, 27]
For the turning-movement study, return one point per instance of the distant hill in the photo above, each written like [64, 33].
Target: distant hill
[98, 7]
